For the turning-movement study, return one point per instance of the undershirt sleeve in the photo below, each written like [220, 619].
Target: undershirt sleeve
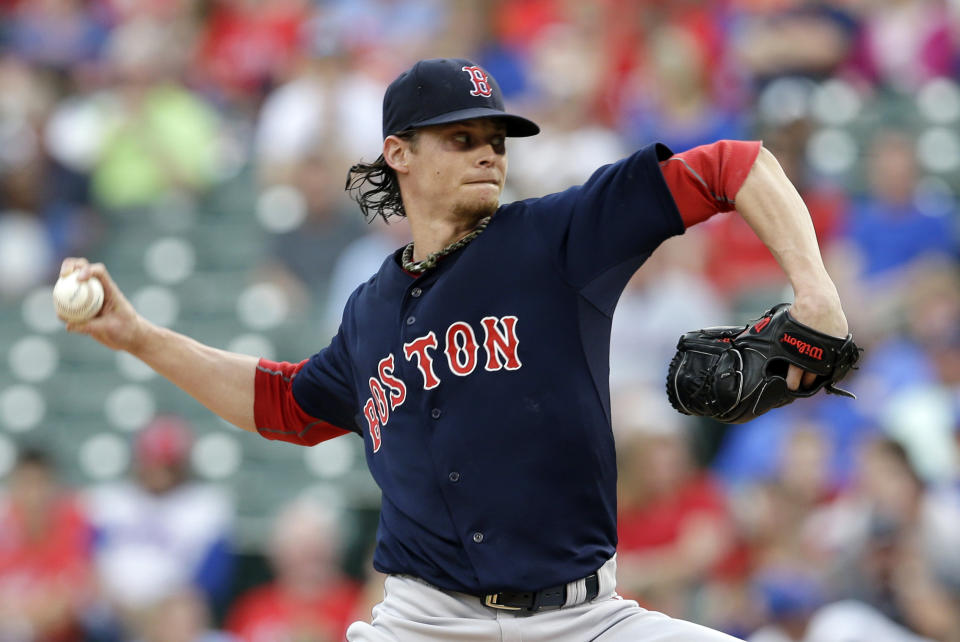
[277, 413]
[705, 180]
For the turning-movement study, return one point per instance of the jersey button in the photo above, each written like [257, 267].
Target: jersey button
[416, 292]
[410, 320]
[454, 476]
[478, 537]
[435, 413]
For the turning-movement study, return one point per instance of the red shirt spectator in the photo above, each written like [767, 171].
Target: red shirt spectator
[246, 46]
[272, 614]
[309, 599]
[44, 556]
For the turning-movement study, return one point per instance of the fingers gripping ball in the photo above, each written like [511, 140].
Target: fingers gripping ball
[736, 373]
[77, 300]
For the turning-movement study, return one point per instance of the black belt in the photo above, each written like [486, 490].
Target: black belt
[543, 600]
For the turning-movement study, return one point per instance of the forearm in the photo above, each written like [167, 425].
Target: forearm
[773, 208]
[220, 380]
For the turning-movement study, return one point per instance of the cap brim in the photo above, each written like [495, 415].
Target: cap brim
[517, 126]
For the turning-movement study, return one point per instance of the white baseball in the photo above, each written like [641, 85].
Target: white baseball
[77, 300]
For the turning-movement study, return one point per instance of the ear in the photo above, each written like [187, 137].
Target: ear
[396, 153]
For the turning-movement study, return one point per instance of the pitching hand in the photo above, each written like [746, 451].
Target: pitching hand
[117, 325]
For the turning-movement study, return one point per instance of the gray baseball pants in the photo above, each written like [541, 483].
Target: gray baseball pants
[414, 611]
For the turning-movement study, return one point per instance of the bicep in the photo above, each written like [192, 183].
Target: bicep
[705, 180]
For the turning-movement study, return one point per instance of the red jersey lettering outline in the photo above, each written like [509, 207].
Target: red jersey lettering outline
[398, 390]
[373, 424]
[481, 84]
[454, 349]
[501, 344]
[418, 348]
[380, 401]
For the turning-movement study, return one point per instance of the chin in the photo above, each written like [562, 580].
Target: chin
[476, 210]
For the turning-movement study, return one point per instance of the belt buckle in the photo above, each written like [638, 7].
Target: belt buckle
[491, 600]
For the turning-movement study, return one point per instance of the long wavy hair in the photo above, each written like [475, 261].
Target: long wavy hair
[374, 185]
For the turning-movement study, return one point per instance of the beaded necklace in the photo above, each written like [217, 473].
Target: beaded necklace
[419, 267]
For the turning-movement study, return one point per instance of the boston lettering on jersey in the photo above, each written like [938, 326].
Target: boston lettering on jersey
[387, 392]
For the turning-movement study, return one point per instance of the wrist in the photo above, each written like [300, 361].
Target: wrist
[816, 290]
[143, 336]
[820, 309]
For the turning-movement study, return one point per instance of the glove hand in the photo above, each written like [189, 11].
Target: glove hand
[736, 373]
[827, 317]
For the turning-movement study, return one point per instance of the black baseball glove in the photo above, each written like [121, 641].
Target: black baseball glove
[736, 373]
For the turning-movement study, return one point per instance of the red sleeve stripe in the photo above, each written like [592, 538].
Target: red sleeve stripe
[692, 172]
[280, 373]
[705, 180]
[278, 415]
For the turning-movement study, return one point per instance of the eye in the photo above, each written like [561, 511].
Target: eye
[462, 139]
[498, 141]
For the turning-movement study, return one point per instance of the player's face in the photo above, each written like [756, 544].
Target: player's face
[461, 167]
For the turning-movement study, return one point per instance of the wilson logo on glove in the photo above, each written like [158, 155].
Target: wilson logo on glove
[803, 347]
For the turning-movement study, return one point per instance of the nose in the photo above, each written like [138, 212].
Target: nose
[488, 156]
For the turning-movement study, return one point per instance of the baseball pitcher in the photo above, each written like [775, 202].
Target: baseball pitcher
[474, 363]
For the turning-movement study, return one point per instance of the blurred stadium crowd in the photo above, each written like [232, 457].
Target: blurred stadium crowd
[199, 148]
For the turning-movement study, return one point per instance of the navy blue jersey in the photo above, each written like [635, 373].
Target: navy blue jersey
[481, 387]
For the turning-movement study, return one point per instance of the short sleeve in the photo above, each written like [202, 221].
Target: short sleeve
[611, 222]
[322, 387]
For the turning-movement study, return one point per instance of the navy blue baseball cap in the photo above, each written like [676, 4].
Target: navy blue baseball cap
[446, 90]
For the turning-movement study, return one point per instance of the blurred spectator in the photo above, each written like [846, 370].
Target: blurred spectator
[302, 258]
[45, 565]
[668, 294]
[905, 43]
[359, 261]
[890, 542]
[56, 34]
[161, 532]
[674, 102]
[310, 598]
[25, 100]
[674, 528]
[382, 32]
[26, 254]
[790, 598]
[26, 248]
[574, 141]
[158, 136]
[247, 46]
[920, 409]
[793, 621]
[852, 620]
[775, 574]
[519, 22]
[181, 617]
[317, 112]
[885, 226]
[793, 38]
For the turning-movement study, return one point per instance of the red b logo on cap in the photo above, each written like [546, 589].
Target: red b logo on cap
[481, 85]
